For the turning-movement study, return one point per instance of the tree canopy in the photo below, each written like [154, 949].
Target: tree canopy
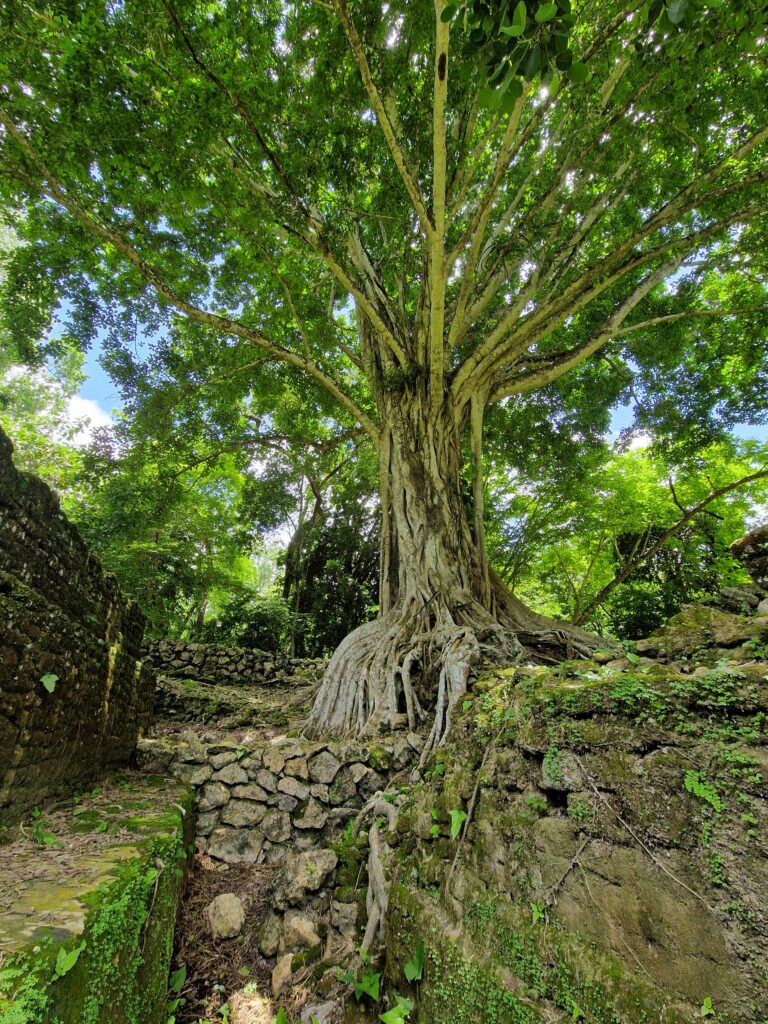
[427, 211]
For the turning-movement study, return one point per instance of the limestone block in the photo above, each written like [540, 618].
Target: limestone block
[281, 974]
[232, 774]
[324, 767]
[214, 794]
[276, 826]
[273, 760]
[293, 787]
[236, 846]
[270, 933]
[250, 792]
[221, 760]
[299, 931]
[192, 774]
[266, 779]
[206, 823]
[302, 873]
[243, 813]
[314, 816]
[284, 802]
[297, 766]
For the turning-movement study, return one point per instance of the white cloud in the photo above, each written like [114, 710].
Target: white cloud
[89, 415]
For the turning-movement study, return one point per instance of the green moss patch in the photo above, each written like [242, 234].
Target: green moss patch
[98, 917]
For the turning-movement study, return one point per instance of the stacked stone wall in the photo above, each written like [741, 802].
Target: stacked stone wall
[214, 662]
[254, 803]
[61, 616]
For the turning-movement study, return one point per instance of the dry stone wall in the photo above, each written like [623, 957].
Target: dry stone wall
[213, 662]
[61, 617]
[255, 803]
[288, 803]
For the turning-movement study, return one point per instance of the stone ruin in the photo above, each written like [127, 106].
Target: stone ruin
[74, 693]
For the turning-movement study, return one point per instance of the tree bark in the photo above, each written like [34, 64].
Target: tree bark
[443, 610]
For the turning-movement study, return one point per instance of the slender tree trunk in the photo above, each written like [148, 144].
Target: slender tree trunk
[443, 610]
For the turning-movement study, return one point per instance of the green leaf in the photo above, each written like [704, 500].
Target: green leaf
[282, 1016]
[368, 985]
[414, 969]
[435, 831]
[533, 63]
[49, 681]
[399, 1012]
[458, 817]
[676, 11]
[448, 12]
[546, 12]
[578, 71]
[490, 99]
[177, 979]
[707, 1009]
[520, 15]
[65, 961]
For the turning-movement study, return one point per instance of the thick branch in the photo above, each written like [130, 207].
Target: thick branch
[437, 237]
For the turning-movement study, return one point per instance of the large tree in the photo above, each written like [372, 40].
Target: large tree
[425, 210]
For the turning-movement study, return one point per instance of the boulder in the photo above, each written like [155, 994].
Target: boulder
[225, 916]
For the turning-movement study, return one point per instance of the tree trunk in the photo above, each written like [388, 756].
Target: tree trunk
[442, 609]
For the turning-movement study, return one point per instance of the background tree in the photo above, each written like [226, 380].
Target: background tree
[334, 187]
[624, 546]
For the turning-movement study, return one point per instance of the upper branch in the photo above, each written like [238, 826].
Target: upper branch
[356, 45]
[49, 185]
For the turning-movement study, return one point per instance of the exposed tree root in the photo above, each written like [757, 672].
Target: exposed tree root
[388, 672]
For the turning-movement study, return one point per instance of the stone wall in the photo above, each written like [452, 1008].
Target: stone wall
[290, 804]
[213, 662]
[62, 618]
[255, 803]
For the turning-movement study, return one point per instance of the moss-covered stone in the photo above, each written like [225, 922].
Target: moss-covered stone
[117, 904]
[614, 867]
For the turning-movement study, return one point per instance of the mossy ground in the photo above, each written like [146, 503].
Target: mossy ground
[114, 891]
